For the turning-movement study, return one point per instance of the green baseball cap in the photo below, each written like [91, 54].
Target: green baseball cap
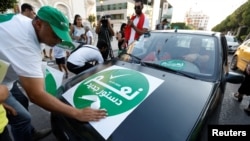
[57, 21]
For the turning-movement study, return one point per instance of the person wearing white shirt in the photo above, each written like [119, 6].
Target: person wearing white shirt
[21, 49]
[89, 35]
[60, 57]
[86, 56]
[137, 25]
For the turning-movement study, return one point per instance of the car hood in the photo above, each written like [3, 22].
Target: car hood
[171, 112]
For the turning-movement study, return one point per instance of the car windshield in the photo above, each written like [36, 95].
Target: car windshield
[188, 53]
[231, 39]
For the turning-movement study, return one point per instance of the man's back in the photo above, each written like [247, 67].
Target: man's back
[85, 54]
[19, 38]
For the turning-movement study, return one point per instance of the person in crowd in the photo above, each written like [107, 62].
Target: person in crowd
[4, 133]
[45, 53]
[199, 56]
[86, 56]
[195, 53]
[121, 37]
[137, 24]
[89, 36]
[159, 53]
[77, 30]
[244, 89]
[162, 25]
[105, 32]
[60, 57]
[51, 27]
[27, 10]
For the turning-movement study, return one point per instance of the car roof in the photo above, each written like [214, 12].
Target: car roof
[199, 32]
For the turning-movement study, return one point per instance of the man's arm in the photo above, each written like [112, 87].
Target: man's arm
[139, 31]
[3, 93]
[34, 88]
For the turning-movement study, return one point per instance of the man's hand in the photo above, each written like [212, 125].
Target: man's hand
[130, 23]
[10, 110]
[89, 114]
[191, 57]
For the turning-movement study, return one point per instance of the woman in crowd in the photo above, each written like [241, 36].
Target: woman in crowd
[121, 37]
[77, 30]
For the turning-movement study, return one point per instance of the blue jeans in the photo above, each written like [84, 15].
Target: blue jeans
[21, 127]
[19, 96]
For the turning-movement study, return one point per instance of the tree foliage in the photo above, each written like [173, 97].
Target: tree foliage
[238, 19]
[7, 4]
[91, 18]
[180, 25]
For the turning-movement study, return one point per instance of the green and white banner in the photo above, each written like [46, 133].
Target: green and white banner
[116, 89]
[53, 80]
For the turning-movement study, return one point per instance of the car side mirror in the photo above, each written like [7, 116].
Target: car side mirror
[235, 78]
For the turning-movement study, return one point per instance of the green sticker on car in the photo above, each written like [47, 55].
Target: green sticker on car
[116, 90]
[173, 64]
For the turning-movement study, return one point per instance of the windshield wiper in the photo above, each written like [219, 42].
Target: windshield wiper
[133, 57]
[158, 66]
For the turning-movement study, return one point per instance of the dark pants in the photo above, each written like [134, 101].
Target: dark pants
[244, 87]
[105, 54]
[60, 60]
[21, 127]
[76, 69]
[19, 96]
[5, 136]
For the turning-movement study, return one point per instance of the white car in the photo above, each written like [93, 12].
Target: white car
[232, 43]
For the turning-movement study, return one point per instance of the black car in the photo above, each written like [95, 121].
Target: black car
[152, 92]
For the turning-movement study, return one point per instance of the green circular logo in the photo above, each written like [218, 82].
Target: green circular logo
[116, 90]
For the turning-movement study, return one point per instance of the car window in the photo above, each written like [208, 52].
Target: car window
[169, 49]
[231, 39]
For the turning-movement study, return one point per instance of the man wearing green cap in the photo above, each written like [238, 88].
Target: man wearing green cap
[21, 48]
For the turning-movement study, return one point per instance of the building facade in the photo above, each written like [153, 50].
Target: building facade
[68, 7]
[197, 19]
[118, 9]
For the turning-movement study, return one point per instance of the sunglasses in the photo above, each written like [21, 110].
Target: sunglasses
[137, 7]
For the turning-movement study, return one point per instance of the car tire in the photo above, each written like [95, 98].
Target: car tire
[233, 64]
